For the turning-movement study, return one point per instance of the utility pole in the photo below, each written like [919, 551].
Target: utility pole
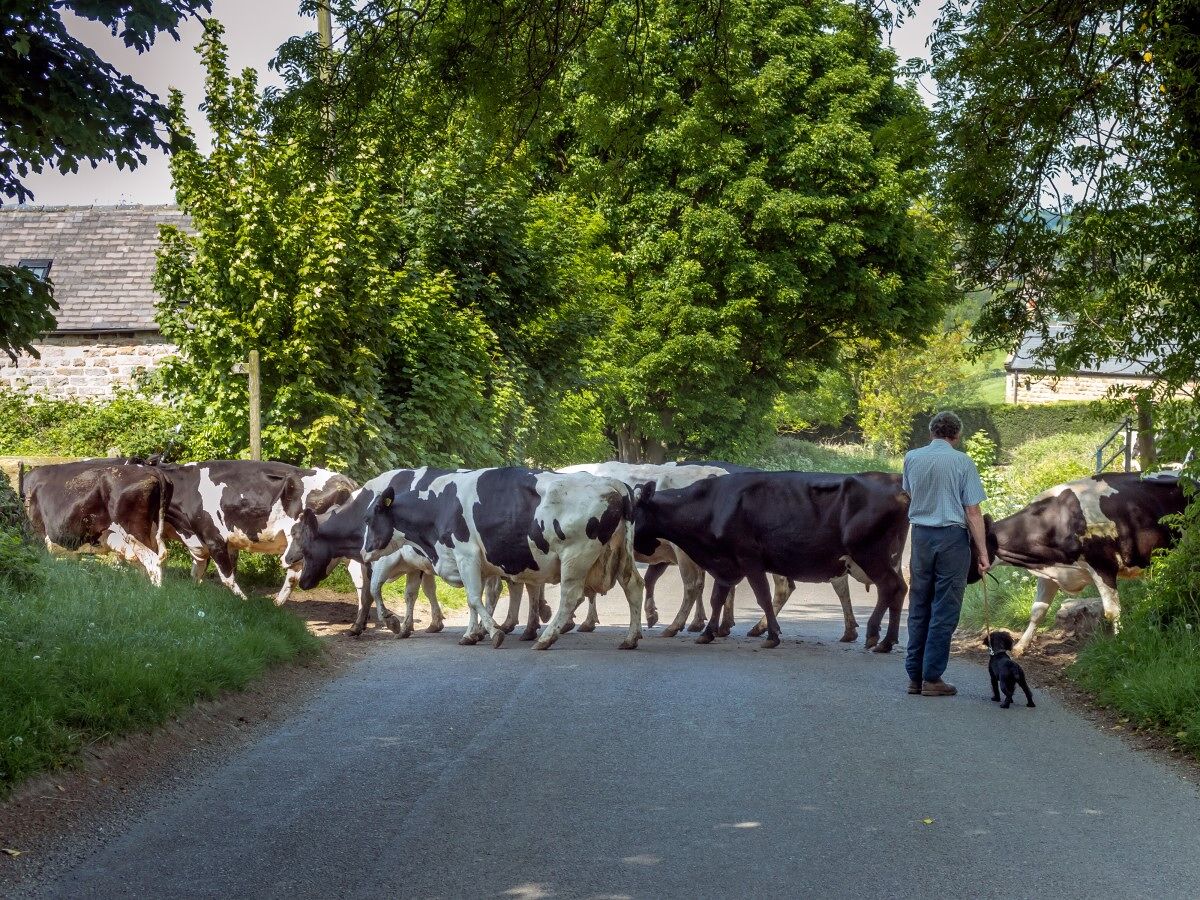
[325, 26]
[255, 406]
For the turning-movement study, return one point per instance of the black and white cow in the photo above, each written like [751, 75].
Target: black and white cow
[1091, 531]
[221, 507]
[804, 526]
[102, 506]
[528, 527]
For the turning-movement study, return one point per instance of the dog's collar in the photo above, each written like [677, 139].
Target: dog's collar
[992, 652]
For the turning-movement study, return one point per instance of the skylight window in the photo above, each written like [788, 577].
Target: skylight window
[39, 267]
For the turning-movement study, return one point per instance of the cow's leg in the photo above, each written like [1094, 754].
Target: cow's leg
[720, 591]
[593, 618]
[782, 593]
[131, 550]
[635, 591]
[653, 572]
[698, 619]
[199, 565]
[841, 587]
[693, 590]
[727, 621]
[290, 579]
[536, 600]
[412, 587]
[514, 607]
[469, 568]
[1106, 584]
[429, 588]
[570, 595]
[762, 593]
[544, 609]
[892, 591]
[226, 561]
[1047, 590]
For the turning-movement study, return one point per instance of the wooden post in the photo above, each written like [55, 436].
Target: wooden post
[255, 407]
[1147, 451]
[324, 26]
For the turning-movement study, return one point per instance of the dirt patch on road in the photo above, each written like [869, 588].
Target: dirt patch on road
[114, 780]
[1046, 665]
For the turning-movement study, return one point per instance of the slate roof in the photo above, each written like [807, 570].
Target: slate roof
[103, 259]
[1025, 359]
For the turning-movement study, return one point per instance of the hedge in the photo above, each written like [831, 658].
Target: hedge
[1011, 425]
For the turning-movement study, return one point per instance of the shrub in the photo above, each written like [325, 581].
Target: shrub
[31, 425]
[790, 454]
[1012, 425]
[20, 558]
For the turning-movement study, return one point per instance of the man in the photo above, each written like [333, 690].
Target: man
[946, 492]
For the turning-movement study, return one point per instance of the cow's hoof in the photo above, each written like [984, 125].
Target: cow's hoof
[884, 646]
[435, 627]
[770, 643]
[356, 630]
[849, 636]
[546, 612]
[497, 639]
[628, 644]
[404, 632]
[670, 631]
[588, 626]
[695, 626]
[871, 641]
[570, 626]
[394, 623]
[1031, 704]
[651, 618]
[723, 631]
[508, 629]
[468, 640]
[543, 645]
[705, 638]
[756, 631]
[529, 635]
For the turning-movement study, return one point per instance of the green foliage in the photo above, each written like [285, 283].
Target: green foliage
[26, 310]
[1012, 425]
[897, 382]
[789, 454]
[20, 559]
[761, 176]
[96, 651]
[1010, 598]
[1069, 162]
[32, 425]
[828, 401]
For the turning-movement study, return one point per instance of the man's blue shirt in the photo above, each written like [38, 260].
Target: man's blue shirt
[942, 482]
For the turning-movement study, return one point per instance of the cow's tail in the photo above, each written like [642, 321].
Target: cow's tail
[166, 491]
[608, 568]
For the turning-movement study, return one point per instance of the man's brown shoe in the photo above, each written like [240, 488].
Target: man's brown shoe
[914, 687]
[938, 689]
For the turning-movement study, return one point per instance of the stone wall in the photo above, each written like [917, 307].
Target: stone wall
[1024, 388]
[85, 365]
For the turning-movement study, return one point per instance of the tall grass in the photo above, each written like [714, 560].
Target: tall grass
[94, 651]
[793, 454]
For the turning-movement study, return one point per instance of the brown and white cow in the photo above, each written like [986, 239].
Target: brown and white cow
[1092, 531]
[221, 507]
[102, 506]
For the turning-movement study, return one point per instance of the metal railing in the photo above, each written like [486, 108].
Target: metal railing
[1126, 429]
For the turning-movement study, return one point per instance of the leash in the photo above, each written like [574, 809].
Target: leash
[987, 615]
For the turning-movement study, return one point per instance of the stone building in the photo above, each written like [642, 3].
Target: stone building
[101, 260]
[1032, 380]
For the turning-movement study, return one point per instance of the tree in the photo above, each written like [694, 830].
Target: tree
[760, 166]
[63, 104]
[1069, 163]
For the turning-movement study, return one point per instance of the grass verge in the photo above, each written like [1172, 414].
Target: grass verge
[93, 651]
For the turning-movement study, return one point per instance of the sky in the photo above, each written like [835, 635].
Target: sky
[254, 29]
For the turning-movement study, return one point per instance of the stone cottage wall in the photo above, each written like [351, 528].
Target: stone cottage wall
[85, 366]
[1024, 388]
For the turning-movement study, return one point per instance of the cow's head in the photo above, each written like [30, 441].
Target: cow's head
[973, 574]
[645, 536]
[310, 547]
[380, 532]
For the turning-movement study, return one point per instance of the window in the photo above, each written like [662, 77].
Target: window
[39, 267]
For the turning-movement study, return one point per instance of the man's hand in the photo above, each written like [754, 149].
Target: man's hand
[978, 537]
[984, 565]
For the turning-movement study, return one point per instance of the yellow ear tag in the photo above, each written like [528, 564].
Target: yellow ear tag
[387, 502]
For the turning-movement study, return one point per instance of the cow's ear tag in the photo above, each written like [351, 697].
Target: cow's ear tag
[387, 501]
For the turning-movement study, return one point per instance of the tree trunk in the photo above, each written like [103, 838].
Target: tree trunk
[634, 447]
[1147, 452]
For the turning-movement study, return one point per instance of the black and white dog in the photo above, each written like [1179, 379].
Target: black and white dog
[1004, 670]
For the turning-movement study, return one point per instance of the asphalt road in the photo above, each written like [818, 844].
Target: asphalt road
[433, 770]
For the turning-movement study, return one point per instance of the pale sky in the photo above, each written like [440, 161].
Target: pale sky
[254, 29]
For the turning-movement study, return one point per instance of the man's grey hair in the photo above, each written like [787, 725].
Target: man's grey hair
[945, 425]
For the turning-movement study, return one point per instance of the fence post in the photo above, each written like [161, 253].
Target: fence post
[255, 407]
[21, 478]
[1128, 446]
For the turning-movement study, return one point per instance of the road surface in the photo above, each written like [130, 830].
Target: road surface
[434, 770]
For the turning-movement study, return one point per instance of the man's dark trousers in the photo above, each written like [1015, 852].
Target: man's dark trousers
[940, 560]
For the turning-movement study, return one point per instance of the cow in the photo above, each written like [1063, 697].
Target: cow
[1091, 531]
[801, 525]
[530, 527]
[102, 506]
[221, 507]
[672, 475]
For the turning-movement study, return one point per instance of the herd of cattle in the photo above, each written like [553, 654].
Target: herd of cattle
[584, 528]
